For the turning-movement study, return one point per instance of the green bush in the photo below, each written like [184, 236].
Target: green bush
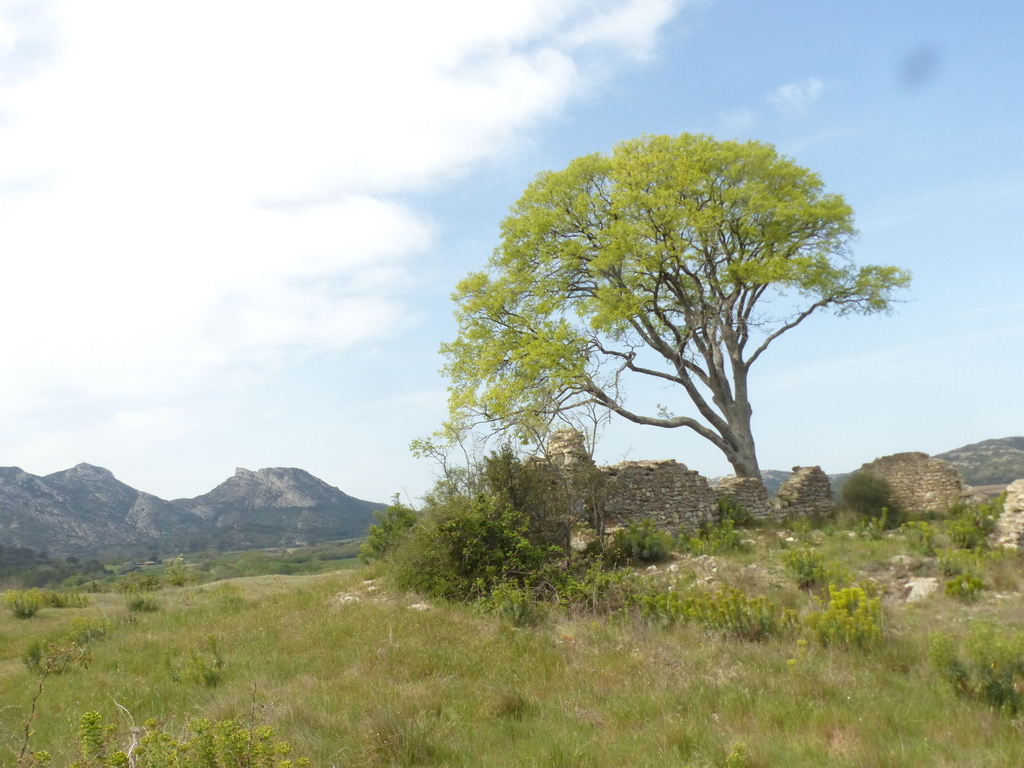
[728, 611]
[809, 569]
[867, 494]
[393, 524]
[639, 543]
[988, 667]
[713, 539]
[971, 526]
[965, 587]
[851, 618]
[466, 548]
[922, 537]
[24, 605]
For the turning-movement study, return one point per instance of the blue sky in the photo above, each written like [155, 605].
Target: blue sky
[230, 230]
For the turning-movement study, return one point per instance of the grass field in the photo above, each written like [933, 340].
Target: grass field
[352, 673]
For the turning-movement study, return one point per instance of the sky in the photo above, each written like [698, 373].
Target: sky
[229, 231]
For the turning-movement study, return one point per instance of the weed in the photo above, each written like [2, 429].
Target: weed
[965, 587]
[987, 667]
[639, 543]
[921, 535]
[713, 539]
[851, 618]
[809, 569]
[727, 611]
[24, 605]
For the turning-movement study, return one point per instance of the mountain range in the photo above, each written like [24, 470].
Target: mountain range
[85, 510]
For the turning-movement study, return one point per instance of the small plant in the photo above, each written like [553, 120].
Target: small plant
[966, 587]
[874, 528]
[516, 605]
[730, 509]
[180, 575]
[972, 525]
[713, 539]
[727, 611]
[24, 605]
[809, 569]
[987, 667]
[921, 535]
[851, 618]
[138, 592]
[639, 543]
[201, 668]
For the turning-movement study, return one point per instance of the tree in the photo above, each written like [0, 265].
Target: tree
[674, 259]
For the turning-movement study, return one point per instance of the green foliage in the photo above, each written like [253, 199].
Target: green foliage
[731, 510]
[922, 536]
[203, 744]
[851, 618]
[966, 587]
[987, 667]
[867, 494]
[728, 611]
[202, 667]
[639, 543]
[392, 524]
[24, 605]
[809, 569]
[713, 539]
[178, 574]
[971, 526]
[467, 548]
[668, 244]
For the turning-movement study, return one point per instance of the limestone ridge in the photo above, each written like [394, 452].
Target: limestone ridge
[86, 510]
[990, 462]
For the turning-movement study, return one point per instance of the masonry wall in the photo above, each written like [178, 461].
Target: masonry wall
[674, 497]
[806, 493]
[919, 483]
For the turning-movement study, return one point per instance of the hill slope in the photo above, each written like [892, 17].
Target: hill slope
[990, 462]
[86, 510]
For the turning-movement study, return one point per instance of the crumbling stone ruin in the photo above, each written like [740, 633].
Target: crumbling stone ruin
[674, 497]
[806, 493]
[919, 483]
[680, 499]
[1009, 530]
[748, 492]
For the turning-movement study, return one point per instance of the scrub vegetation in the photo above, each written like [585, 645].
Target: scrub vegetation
[473, 639]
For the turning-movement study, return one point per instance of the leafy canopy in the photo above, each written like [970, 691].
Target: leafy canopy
[675, 258]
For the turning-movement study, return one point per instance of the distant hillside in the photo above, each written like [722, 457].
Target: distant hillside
[86, 510]
[990, 462]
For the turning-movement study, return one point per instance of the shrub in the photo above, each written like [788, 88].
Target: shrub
[988, 667]
[921, 536]
[971, 526]
[639, 543]
[731, 510]
[393, 524]
[466, 548]
[809, 570]
[867, 494]
[851, 618]
[713, 539]
[24, 605]
[727, 611]
[965, 587]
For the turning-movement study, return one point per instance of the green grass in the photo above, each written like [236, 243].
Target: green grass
[374, 681]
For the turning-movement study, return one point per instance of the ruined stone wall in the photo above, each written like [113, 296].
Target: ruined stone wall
[807, 493]
[748, 492]
[674, 497]
[920, 484]
[1009, 530]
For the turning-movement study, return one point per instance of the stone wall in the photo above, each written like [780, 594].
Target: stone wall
[807, 492]
[920, 484]
[674, 497]
[748, 492]
[1009, 530]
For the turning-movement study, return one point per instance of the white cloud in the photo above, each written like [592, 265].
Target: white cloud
[192, 185]
[798, 95]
